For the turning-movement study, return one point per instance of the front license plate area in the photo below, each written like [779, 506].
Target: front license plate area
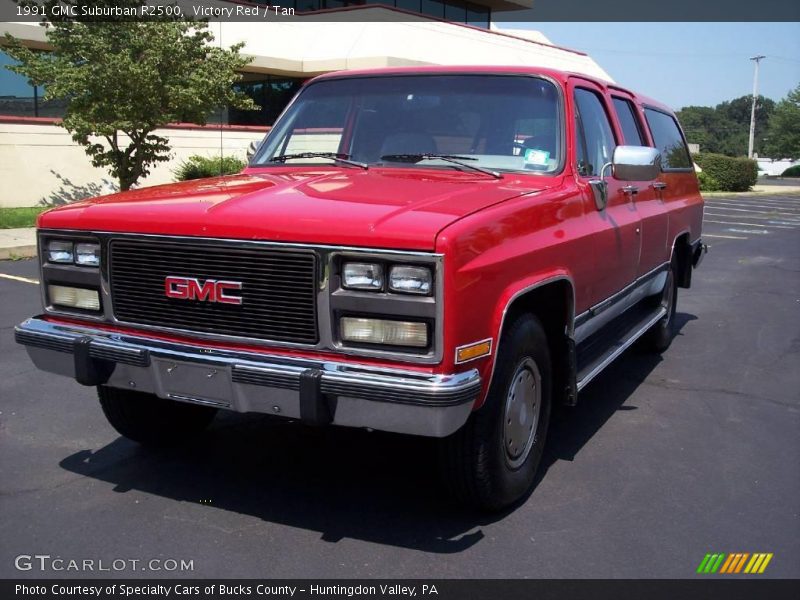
[189, 382]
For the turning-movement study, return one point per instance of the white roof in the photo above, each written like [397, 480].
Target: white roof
[331, 41]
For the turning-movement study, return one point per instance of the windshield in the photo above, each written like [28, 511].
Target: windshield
[503, 123]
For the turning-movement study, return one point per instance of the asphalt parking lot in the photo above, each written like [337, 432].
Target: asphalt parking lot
[664, 459]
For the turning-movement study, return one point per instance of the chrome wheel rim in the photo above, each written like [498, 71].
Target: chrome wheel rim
[521, 414]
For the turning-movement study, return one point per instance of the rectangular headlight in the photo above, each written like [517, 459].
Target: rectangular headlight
[362, 276]
[74, 297]
[380, 331]
[59, 251]
[410, 280]
[87, 255]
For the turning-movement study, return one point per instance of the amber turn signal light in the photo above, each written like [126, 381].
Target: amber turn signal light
[473, 351]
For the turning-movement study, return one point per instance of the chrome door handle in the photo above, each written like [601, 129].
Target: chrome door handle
[659, 185]
[631, 190]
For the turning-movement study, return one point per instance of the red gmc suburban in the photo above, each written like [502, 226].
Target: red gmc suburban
[443, 252]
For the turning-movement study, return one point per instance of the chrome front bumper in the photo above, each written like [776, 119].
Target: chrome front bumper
[318, 392]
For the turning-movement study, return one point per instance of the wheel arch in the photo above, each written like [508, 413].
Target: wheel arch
[552, 301]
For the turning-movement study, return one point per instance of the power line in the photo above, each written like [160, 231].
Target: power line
[672, 54]
[681, 54]
[792, 60]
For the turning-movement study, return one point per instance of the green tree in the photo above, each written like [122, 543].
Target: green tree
[783, 135]
[725, 128]
[125, 79]
[737, 113]
[702, 125]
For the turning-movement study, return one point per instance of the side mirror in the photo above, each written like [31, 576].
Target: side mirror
[636, 163]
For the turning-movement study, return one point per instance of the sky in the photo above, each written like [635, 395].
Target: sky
[684, 64]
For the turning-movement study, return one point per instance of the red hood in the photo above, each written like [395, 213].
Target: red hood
[381, 208]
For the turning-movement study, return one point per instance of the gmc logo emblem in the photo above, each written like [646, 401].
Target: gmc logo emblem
[210, 290]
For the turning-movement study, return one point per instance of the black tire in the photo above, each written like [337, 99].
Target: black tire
[474, 460]
[151, 421]
[660, 335]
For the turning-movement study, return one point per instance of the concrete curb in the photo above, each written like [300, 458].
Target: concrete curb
[18, 252]
[17, 243]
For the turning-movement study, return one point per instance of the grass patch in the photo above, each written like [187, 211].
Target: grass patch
[11, 218]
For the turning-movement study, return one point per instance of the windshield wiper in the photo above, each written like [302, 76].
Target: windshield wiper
[336, 156]
[451, 158]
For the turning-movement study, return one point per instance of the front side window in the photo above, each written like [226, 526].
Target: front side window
[595, 143]
[497, 122]
[668, 139]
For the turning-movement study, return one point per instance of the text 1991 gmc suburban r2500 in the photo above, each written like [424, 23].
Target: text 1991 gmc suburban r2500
[443, 252]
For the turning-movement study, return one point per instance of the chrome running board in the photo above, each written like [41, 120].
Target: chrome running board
[614, 343]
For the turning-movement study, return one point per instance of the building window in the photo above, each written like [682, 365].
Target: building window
[271, 93]
[478, 16]
[410, 5]
[311, 5]
[307, 5]
[433, 8]
[455, 11]
[19, 98]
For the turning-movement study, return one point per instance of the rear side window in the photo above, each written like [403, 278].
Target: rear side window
[629, 121]
[595, 137]
[668, 139]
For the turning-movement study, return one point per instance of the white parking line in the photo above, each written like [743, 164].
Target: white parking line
[725, 237]
[758, 231]
[18, 278]
[781, 201]
[748, 206]
[757, 199]
[751, 216]
[748, 224]
[736, 208]
[718, 212]
[761, 216]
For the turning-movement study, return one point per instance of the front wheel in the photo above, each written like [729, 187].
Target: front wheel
[491, 462]
[151, 421]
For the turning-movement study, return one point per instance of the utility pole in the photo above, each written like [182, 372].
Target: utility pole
[756, 59]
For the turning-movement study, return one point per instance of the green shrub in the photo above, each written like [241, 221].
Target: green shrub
[198, 167]
[727, 174]
[707, 183]
[792, 172]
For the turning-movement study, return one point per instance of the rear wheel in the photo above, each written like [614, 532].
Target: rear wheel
[492, 461]
[659, 337]
[151, 421]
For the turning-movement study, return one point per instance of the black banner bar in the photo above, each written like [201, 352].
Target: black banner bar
[616, 589]
[541, 11]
